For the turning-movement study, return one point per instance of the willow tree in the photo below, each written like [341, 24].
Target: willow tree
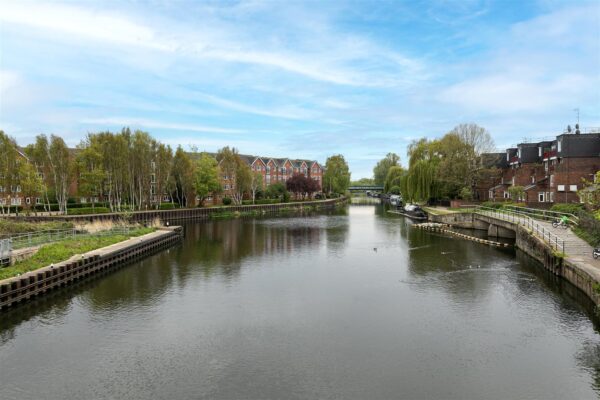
[393, 178]
[421, 184]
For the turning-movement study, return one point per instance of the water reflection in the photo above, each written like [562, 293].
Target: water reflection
[349, 304]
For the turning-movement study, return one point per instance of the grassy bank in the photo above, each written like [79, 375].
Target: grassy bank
[10, 227]
[61, 251]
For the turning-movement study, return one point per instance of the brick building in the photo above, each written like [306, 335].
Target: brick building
[274, 170]
[549, 171]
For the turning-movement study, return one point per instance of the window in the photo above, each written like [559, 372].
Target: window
[268, 169]
[15, 201]
[533, 179]
[153, 178]
[283, 170]
[513, 181]
[152, 189]
[28, 200]
[561, 188]
[506, 195]
[572, 188]
[519, 153]
[539, 151]
[551, 197]
[268, 179]
[551, 180]
[83, 200]
[541, 196]
[560, 145]
[38, 200]
[153, 165]
[18, 188]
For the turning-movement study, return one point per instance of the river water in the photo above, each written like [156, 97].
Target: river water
[349, 304]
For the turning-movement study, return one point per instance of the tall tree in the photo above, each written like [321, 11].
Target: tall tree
[91, 170]
[383, 166]
[163, 163]
[475, 136]
[207, 177]
[8, 165]
[393, 178]
[256, 183]
[183, 178]
[61, 167]
[32, 185]
[336, 178]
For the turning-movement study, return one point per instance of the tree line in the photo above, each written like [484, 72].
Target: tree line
[130, 170]
[444, 168]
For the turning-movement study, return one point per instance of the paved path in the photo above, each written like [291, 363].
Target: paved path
[577, 250]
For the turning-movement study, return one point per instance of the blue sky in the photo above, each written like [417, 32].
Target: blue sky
[299, 79]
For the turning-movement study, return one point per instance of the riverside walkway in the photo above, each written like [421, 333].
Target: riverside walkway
[576, 250]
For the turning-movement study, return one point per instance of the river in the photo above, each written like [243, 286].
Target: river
[349, 304]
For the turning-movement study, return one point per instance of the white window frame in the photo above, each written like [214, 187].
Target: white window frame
[541, 197]
[572, 188]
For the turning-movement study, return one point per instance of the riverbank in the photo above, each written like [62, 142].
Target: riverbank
[192, 213]
[112, 255]
[576, 264]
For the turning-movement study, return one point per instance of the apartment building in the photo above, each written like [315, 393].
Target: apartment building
[550, 171]
[275, 170]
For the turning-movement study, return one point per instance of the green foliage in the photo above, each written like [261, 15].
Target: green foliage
[226, 201]
[262, 201]
[381, 170]
[166, 206]
[567, 208]
[207, 177]
[275, 190]
[516, 192]
[363, 182]
[466, 194]
[588, 228]
[394, 190]
[61, 251]
[493, 204]
[393, 178]
[89, 210]
[11, 227]
[336, 178]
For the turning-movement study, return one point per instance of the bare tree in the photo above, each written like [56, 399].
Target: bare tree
[476, 136]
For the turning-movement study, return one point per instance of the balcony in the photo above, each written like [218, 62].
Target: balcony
[514, 159]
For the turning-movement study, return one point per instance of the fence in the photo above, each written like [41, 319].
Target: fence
[545, 215]
[32, 239]
[524, 220]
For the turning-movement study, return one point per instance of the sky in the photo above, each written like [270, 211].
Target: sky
[299, 79]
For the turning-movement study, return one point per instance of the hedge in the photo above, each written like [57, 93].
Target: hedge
[567, 208]
[88, 210]
[167, 206]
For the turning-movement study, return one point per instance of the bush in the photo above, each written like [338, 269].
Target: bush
[493, 204]
[286, 197]
[226, 201]
[567, 208]
[166, 206]
[88, 210]
[588, 228]
[261, 201]
[395, 190]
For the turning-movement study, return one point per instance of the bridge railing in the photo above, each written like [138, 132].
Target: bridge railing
[545, 215]
[519, 218]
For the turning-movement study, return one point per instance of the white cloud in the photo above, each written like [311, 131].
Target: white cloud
[149, 123]
[334, 58]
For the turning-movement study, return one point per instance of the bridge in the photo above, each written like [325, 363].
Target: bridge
[365, 188]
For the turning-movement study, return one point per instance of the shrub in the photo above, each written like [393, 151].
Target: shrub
[395, 190]
[493, 204]
[88, 210]
[166, 206]
[567, 208]
[226, 201]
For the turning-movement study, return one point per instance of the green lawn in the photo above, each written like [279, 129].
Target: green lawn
[61, 251]
[10, 227]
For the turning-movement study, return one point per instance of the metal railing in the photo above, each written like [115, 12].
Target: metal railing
[32, 239]
[545, 215]
[519, 218]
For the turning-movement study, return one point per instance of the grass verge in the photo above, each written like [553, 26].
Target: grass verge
[61, 251]
[9, 227]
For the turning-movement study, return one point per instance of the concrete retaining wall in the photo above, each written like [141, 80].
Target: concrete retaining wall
[38, 282]
[574, 272]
